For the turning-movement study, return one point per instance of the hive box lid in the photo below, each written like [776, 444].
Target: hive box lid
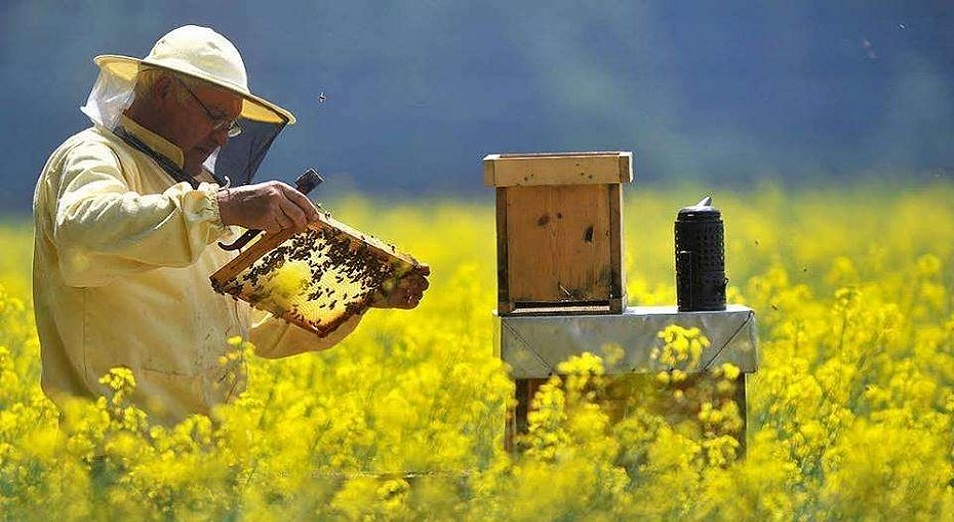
[560, 168]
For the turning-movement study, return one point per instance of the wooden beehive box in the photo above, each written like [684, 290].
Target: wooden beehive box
[559, 231]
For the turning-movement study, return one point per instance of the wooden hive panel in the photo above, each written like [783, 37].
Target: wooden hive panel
[559, 243]
[559, 231]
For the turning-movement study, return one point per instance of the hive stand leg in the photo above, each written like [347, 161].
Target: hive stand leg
[524, 391]
[744, 410]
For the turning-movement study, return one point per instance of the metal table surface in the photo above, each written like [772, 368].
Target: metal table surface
[533, 346]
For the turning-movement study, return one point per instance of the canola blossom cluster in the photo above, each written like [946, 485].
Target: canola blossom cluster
[849, 416]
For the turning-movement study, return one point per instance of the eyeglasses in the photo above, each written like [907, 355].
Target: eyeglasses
[218, 122]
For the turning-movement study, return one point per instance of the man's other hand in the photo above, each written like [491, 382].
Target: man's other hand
[406, 292]
[271, 206]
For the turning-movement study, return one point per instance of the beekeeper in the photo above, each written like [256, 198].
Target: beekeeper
[127, 215]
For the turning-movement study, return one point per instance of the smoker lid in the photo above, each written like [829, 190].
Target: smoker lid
[701, 211]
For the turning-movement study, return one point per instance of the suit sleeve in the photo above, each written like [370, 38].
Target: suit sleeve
[274, 338]
[103, 229]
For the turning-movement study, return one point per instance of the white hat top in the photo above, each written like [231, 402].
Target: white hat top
[201, 53]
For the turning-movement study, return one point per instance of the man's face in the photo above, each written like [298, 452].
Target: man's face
[192, 120]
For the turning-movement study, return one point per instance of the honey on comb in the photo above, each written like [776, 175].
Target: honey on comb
[316, 279]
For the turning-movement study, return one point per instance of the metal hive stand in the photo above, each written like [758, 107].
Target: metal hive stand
[533, 346]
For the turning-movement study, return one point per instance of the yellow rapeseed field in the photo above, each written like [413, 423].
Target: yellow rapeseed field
[850, 416]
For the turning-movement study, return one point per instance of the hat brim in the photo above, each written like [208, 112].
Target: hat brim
[253, 107]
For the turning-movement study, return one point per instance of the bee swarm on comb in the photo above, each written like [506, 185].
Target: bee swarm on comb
[316, 279]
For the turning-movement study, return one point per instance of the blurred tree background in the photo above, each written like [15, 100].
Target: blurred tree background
[418, 92]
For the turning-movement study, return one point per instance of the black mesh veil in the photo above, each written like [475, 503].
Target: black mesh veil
[241, 156]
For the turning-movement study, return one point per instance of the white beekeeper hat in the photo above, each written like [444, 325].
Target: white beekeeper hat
[201, 53]
[197, 52]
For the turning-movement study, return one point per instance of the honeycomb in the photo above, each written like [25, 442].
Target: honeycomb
[315, 279]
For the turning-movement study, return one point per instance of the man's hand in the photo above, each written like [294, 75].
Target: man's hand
[271, 206]
[406, 292]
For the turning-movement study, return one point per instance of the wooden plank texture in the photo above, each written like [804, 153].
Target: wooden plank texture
[558, 243]
[504, 304]
[567, 168]
[617, 270]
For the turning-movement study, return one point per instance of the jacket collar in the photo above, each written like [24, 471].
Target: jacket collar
[154, 141]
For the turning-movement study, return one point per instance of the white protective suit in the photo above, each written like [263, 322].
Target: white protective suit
[122, 261]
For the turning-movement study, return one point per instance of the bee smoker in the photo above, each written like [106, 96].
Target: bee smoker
[700, 258]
